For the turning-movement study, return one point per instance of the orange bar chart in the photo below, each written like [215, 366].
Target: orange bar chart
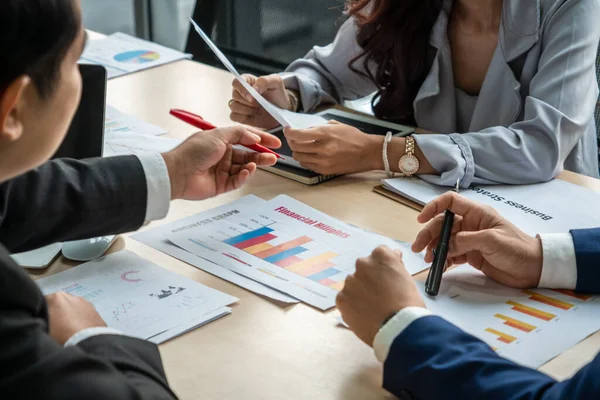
[258, 248]
[503, 337]
[534, 312]
[515, 323]
[549, 301]
[304, 267]
[283, 247]
[571, 293]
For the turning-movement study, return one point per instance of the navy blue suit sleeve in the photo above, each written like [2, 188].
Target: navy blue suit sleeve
[433, 359]
[587, 254]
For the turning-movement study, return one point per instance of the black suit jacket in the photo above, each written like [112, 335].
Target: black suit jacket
[66, 200]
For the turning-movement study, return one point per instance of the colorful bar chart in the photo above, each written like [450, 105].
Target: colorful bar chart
[573, 294]
[549, 301]
[534, 312]
[515, 323]
[283, 247]
[317, 268]
[503, 337]
[248, 236]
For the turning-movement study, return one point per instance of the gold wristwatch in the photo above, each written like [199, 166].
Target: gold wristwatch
[409, 164]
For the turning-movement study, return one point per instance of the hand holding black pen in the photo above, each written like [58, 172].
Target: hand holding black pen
[434, 278]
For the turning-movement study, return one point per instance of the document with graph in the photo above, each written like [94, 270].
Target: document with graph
[530, 327]
[139, 298]
[284, 244]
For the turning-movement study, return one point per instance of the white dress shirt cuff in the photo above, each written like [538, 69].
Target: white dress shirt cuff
[394, 327]
[90, 332]
[159, 185]
[559, 268]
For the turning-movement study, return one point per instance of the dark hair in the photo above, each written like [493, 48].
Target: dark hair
[35, 36]
[394, 35]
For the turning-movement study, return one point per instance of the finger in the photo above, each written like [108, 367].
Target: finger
[242, 119]
[268, 82]
[304, 135]
[239, 98]
[304, 147]
[433, 230]
[454, 202]
[458, 260]
[237, 135]
[306, 158]
[238, 87]
[241, 157]
[243, 109]
[266, 139]
[466, 242]
[333, 122]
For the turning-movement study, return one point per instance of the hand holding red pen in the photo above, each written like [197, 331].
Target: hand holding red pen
[207, 164]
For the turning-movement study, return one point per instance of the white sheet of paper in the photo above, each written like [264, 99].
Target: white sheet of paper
[190, 325]
[283, 244]
[157, 238]
[130, 143]
[122, 54]
[551, 207]
[135, 296]
[284, 117]
[117, 122]
[553, 322]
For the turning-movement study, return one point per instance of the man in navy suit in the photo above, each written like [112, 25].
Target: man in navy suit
[426, 357]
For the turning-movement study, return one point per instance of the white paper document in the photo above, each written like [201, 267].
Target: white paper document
[551, 207]
[157, 239]
[530, 327]
[139, 298]
[283, 244]
[284, 117]
[122, 54]
[117, 122]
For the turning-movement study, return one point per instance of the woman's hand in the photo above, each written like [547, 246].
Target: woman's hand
[483, 239]
[246, 110]
[335, 149]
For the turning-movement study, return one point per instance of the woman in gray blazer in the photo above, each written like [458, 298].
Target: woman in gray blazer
[509, 86]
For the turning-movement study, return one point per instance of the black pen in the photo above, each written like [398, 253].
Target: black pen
[434, 279]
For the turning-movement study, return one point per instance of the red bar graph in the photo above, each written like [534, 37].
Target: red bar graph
[254, 241]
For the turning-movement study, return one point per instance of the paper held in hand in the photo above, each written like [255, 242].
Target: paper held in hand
[284, 117]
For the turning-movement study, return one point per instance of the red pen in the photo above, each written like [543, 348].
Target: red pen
[199, 122]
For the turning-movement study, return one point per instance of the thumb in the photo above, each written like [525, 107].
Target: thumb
[237, 135]
[465, 242]
[264, 83]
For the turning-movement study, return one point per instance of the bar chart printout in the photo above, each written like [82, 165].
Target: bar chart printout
[283, 244]
[527, 326]
[318, 268]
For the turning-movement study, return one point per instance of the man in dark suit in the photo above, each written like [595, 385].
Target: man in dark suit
[61, 348]
[426, 357]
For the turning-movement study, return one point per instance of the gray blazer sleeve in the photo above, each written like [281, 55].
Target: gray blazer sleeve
[557, 112]
[68, 200]
[324, 76]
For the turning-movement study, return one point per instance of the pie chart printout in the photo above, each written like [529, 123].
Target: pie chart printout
[137, 57]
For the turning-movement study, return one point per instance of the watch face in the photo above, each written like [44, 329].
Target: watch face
[409, 164]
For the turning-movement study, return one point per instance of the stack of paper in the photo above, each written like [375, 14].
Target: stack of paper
[527, 326]
[279, 248]
[551, 207]
[139, 298]
[122, 54]
[124, 134]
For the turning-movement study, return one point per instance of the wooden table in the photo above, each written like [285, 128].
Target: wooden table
[266, 350]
